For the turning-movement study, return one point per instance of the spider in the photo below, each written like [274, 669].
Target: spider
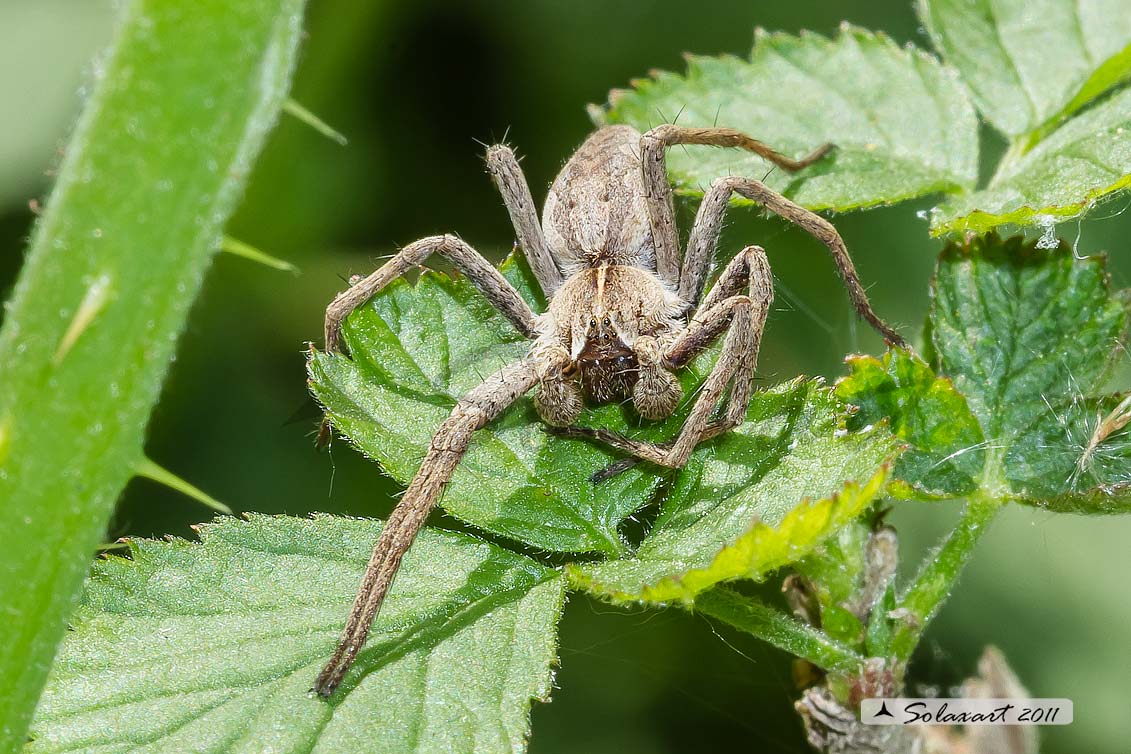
[624, 314]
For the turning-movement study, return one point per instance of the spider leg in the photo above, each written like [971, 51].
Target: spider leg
[483, 275]
[742, 318]
[658, 190]
[703, 240]
[472, 412]
[508, 177]
[701, 244]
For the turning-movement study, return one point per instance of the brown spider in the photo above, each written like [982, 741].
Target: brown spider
[623, 315]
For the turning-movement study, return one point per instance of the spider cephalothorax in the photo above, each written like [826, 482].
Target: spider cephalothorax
[607, 320]
[626, 311]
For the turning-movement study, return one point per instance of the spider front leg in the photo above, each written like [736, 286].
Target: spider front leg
[708, 222]
[658, 190]
[448, 446]
[743, 319]
[504, 169]
[482, 274]
[703, 240]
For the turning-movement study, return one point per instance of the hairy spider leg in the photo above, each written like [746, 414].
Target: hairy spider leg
[658, 190]
[703, 240]
[472, 412]
[482, 274]
[509, 179]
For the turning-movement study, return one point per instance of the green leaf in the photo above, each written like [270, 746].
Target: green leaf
[1031, 66]
[902, 122]
[1027, 337]
[183, 100]
[947, 449]
[1018, 328]
[415, 349]
[759, 498]
[1068, 463]
[212, 647]
[1030, 63]
[777, 628]
[835, 572]
[1085, 160]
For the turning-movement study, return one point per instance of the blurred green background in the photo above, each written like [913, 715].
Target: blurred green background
[413, 86]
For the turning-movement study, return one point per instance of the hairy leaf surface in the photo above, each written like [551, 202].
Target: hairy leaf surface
[759, 498]
[212, 647]
[1027, 337]
[947, 452]
[902, 123]
[1085, 160]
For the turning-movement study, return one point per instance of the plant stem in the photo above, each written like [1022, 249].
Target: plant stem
[777, 628]
[939, 572]
[182, 104]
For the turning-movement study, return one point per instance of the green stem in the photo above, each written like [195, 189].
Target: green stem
[778, 629]
[182, 104]
[939, 572]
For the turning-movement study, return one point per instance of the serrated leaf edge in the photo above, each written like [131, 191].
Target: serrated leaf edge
[728, 562]
[768, 42]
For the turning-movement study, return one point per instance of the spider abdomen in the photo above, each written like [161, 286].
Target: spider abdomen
[595, 212]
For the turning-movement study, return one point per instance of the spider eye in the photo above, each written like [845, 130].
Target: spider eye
[606, 322]
[592, 323]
